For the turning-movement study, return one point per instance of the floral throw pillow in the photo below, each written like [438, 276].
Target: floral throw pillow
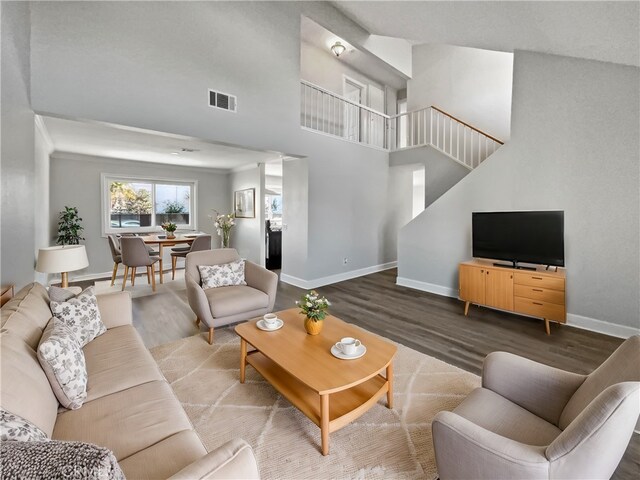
[81, 315]
[17, 429]
[224, 275]
[62, 360]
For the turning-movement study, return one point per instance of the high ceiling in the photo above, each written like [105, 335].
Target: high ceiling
[113, 141]
[597, 30]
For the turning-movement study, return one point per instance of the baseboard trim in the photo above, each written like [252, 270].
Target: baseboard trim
[600, 326]
[578, 321]
[427, 287]
[339, 277]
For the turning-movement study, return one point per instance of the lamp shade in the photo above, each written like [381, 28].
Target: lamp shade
[64, 258]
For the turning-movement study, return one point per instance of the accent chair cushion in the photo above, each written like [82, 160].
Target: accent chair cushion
[56, 459]
[81, 314]
[63, 362]
[17, 429]
[228, 301]
[223, 275]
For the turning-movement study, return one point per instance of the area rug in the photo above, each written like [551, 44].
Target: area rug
[381, 444]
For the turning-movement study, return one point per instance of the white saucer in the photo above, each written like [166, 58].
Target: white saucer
[360, 351]
[263, 326]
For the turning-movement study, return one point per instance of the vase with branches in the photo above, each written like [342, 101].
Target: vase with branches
[224, 224]
[69, 228]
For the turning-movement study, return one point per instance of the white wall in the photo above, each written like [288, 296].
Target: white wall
[42, 149]
[471, 84]
[574, 147]
[17, 149]
[248, 236]
[75, 181]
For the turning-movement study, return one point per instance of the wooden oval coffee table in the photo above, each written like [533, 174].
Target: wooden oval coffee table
[329, 391]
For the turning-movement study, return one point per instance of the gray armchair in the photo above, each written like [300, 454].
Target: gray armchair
[225, 305]
[531, 421]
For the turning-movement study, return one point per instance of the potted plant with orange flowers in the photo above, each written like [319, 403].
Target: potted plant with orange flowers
[315, 309]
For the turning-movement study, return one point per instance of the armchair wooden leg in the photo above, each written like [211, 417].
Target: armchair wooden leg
[174, 262]
[153, 277]
[211, 336]
[126, 275]
[197, 321]
[115, 272]
[133, 276]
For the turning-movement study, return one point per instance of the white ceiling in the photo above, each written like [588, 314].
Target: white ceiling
[598, 30]
[366, 63]
[102, 140]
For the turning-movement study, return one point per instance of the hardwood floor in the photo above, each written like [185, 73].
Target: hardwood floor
[431, 324]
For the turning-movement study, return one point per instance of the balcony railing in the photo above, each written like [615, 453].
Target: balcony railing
[331, 114]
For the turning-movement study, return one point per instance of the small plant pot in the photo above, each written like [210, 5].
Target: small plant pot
[171, 235]
[313, 327]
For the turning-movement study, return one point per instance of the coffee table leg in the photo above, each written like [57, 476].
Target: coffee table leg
[243, 358]
[324, 423]
[390, 381]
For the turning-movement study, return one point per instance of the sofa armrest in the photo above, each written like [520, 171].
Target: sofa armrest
[466, 450]
[233, 460]
[198, 301]
[261, 279]
[115, 309]
[540, 389]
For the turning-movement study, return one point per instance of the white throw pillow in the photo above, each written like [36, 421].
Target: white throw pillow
[81, 314]
[62, 360]
[223, 275]
[15, 428]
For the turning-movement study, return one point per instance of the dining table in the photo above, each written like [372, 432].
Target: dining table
[163, 241]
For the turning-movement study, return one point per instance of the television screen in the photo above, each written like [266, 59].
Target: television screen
[528, 237]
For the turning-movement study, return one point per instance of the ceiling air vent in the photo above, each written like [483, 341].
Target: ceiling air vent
[223, 101]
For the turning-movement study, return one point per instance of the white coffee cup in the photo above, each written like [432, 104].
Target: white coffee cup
[270, 320]
[348, 345]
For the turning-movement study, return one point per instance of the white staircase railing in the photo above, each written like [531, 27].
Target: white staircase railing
[326, 112]
[444, 132]
[331, 114]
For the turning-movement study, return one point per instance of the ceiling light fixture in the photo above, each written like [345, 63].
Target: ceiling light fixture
[175, 153]
[338, 49]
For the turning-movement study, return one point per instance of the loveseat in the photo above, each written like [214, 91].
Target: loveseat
[130, 408]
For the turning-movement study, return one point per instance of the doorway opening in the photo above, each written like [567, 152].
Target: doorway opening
[273, 214]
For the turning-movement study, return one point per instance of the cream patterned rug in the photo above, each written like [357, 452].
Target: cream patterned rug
[380, 444]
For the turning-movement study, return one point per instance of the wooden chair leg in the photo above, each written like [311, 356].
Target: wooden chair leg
[153, 277]
[133, 276]
[211, 336]
[174, 262]
[115, 272]
[197, 321]
[126, 275]
[148, 275]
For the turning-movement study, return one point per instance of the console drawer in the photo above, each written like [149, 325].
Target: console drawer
[535, 280]
[537, 308]
[537, 293]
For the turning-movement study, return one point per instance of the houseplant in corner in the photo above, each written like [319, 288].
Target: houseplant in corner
[224, 224]
[69, 228]
[170, 228]
[315, 309]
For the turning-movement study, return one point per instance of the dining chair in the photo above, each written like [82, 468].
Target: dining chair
[202, 242]
[135, 254]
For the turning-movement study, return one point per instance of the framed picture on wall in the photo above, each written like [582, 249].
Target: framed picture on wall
[244, 202]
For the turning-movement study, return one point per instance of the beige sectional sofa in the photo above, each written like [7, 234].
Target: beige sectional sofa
[130, 408]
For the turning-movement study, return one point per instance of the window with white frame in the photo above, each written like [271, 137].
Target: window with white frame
[140, 204]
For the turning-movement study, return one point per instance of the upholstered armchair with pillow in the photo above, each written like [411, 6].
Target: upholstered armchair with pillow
[223, 289]
[531, 421]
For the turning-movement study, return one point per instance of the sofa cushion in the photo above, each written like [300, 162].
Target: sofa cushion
[58, 460]
[226, 301]
[62, 360]
[498, 415]
[27, 314]
[82, 315]
[14, 428]
[223, 275]
[125, 422]
[164, 458]
[118, 360]
[25, 390]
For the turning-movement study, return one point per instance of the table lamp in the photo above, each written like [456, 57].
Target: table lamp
[62, 259]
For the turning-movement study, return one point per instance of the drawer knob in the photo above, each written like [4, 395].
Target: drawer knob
[536, 290]
[536, 303]
[537, 278]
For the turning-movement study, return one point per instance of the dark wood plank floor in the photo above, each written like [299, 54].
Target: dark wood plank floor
[436, 326]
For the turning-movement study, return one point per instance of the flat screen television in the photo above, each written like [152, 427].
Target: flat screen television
[527, 237]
